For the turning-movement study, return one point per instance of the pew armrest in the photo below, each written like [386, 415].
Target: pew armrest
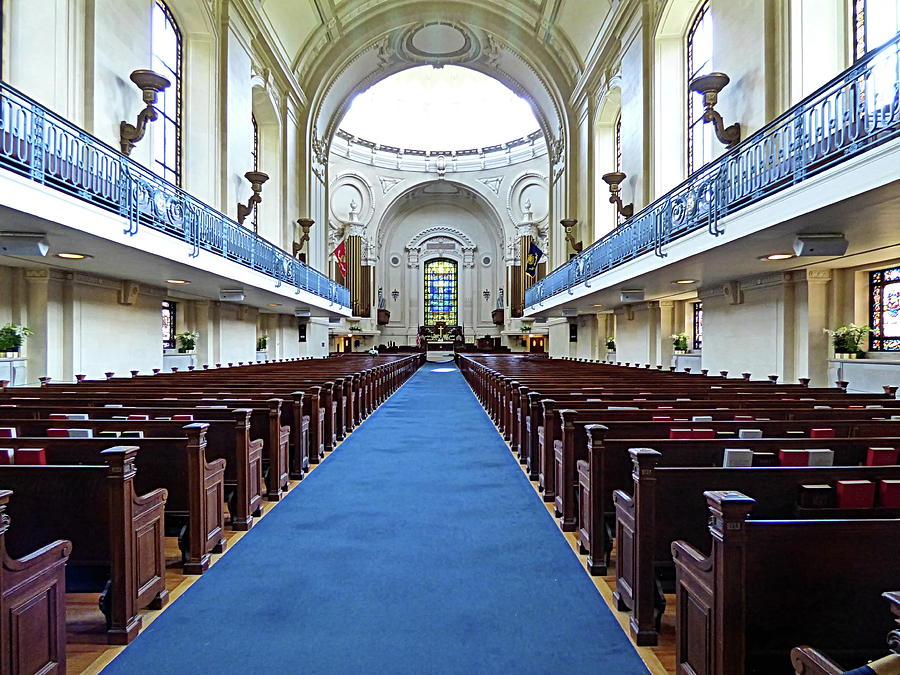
[35, 562]
[809, 661]
[691, 559]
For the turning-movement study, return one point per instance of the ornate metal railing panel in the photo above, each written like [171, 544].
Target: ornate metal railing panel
[38, 144]
[855, 112]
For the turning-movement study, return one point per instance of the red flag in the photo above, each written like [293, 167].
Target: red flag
[340, 254]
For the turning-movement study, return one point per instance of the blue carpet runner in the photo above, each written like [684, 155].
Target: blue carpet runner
[418, 547]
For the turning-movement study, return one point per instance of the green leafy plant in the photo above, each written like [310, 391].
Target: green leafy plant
[12, 335]
[525, 327]
[355, 327]
[847, 339]
[610, 343]
[262, 343]
[187, 340]
[680, 342]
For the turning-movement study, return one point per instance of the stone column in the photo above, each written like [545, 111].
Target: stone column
[667, 327]
[815, 349]
[38, 345]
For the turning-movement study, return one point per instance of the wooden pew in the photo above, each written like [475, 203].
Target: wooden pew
[609, 468]
[194, 509]
[768, 585]
[666, 504]
[225, 439]
[116, 535]
[32, 605]
[810, 661]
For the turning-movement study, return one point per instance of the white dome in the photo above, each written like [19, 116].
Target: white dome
[449, 108]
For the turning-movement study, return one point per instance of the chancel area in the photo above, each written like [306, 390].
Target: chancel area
[472, 335]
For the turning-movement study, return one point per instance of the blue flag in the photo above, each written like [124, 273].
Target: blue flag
[531, 262]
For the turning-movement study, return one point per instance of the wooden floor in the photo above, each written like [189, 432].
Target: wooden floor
[87, 651]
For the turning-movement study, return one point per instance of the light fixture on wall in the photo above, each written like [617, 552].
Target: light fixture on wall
[710, 85]
[569, 224]
[150, 84]
[395, 294]
[615, 179]
[486, 294]
[305, 224]
[256, 178]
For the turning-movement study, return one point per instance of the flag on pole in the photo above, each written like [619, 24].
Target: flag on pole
[340, 254]
[531, 262]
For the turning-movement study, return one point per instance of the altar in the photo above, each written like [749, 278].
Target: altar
[439, 345]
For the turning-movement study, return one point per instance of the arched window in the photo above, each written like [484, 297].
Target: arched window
[698, 325]
[441, 292]
[884, 289]
[619, 142]
[168, 324]
[699, 61]
[166, 50]
[874, 23]
[255, 153]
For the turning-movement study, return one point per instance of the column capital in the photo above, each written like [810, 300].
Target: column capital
[37, 275]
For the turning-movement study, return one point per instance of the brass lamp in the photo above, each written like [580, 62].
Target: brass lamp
[615, 179]
[710, 86]
[256, 178]
[150, 84]
[569, 224]
[305, 225]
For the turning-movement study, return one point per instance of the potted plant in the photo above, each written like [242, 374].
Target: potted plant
[525, 327]
[610, 343]
[847, 340]
[262, 343]
[355, 328]
[11, 337]
[187, 341]
[680, 343]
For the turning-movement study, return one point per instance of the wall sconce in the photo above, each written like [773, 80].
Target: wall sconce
[569, 224]
[395, 294]
[486, 294]
[614, 179]
[150, 84]
[256, 178]
[305, 225]
[710, 86]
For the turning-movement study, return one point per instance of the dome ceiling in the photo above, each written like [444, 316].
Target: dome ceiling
[447, 108]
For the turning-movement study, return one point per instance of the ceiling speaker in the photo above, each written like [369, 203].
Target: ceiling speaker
[632, 296]
[301, 311]
[231, 295]
[24, 243]
[820, 244]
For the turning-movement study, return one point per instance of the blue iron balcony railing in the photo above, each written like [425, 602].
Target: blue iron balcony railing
[38, 144]
[854, 112]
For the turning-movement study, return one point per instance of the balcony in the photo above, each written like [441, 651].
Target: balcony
[850, 116]
[45, 149]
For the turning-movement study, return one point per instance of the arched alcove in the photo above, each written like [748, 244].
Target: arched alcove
[439, 219]
[606, 149]
[271, 221]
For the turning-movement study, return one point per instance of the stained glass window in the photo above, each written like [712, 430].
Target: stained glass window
[166, 49]
[168, 324]
[698, 325]
[441, 292]
[885, 310]
[699, 62]
[874, 23]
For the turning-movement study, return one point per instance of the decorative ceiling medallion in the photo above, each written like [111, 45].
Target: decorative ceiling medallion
[439, 43]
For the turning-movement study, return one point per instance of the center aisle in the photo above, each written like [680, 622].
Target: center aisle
[418, 546]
